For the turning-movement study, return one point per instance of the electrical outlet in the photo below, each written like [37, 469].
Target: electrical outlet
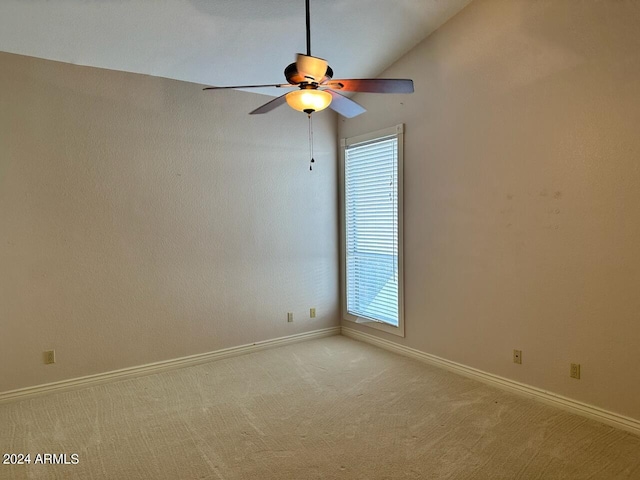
[49, 356]
[517, 356]
[290, 317]
[312, 313]
[575, 371]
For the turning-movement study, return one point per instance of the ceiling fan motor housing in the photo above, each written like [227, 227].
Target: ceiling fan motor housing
[296, 78]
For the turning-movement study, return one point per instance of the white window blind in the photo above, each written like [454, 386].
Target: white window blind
[371, 227]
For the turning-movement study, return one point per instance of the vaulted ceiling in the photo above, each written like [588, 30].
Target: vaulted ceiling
[220, 42]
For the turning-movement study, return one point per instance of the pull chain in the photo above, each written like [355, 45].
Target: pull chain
[311, 142]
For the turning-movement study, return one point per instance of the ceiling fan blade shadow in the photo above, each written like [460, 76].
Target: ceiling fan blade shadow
[372, 85]
[267, 107]
[344, 106]
[277, 85]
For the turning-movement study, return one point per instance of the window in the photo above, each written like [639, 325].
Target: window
[371, 191]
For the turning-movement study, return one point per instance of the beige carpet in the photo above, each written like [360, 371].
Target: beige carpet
[324, 409]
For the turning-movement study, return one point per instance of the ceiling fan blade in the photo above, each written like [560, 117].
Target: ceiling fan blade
[344, 106]
[267, 107]
[372, 85]
[277, 85]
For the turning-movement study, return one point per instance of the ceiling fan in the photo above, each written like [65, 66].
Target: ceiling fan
[316, 88]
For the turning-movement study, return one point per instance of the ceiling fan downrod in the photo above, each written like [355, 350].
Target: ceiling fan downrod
[308, 28]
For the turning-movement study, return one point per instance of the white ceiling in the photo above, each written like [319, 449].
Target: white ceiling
[220, 42]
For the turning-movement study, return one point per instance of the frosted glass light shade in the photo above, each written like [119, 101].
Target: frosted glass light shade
[308, 100]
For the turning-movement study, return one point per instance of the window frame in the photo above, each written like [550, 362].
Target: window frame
[398, 132]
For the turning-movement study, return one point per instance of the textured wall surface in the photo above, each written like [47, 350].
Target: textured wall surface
[522, 193]
[142, 219]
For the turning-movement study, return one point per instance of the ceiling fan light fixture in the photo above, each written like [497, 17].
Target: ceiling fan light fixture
[309, 72]
[308, 100]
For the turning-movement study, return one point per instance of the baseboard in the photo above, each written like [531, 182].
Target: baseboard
[574, 406]
[150, 368]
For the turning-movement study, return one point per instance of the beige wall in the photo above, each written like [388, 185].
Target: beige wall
[142, 219]
[522, 193]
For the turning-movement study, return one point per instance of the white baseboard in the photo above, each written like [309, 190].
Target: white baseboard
[150, 368]
[574, 406]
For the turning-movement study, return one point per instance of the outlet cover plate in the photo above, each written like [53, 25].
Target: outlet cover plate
[575, 371]
[517, 356]
[49, 357]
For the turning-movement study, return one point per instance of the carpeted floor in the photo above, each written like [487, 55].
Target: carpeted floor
[323, 409]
